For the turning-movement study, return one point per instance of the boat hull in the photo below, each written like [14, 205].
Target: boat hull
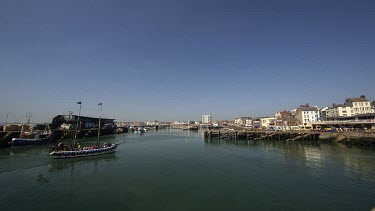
[83, 153]
[24, 142]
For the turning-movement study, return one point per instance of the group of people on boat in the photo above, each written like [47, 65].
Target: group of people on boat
[77, 147]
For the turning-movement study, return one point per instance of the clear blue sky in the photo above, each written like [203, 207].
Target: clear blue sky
[177, 60]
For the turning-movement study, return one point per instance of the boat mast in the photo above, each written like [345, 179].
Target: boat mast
[100, 118]
[79, 114]
[28, 117]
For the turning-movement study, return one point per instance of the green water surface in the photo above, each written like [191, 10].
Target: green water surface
[177, 170]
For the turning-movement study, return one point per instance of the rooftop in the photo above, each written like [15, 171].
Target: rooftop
[362, 98]
[308, 108]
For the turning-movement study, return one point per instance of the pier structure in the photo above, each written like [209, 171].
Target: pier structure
[262, 135]
[360, 138]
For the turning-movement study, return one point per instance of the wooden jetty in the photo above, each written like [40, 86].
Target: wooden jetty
[60, 134]
[262, 135]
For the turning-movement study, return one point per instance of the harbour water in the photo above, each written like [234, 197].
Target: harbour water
[178, 170]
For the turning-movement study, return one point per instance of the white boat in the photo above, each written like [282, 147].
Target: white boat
[84, 152]
[140, 130]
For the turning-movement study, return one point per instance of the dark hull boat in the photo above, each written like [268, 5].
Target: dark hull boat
[30, 141]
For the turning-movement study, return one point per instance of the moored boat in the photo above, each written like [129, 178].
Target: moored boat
[40, 138]
[30, 137]
[140, 130]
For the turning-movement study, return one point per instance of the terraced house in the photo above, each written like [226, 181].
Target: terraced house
[307, 114]
[351, 107]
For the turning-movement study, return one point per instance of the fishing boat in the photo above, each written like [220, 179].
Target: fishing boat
[30, 137]
[61, 151]
[38, 139]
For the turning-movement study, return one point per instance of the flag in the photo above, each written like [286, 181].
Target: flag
[100, 104]
[79, 102]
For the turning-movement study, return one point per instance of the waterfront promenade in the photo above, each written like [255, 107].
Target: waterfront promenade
[355, 137]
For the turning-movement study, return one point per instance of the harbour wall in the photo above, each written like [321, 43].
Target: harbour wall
[354, 138]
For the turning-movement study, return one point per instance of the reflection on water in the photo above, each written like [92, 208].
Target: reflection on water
[358, 163]
[71, 165]
[42, 179]
[314, 160]
[362, 167]
[26, 150]
[61, 164]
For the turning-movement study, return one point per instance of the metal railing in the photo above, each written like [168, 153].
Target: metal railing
[346, 121]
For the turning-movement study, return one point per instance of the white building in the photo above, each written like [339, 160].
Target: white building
[339, 110]
[267, 122]
[306, 114]
[206, 119]
[323, 113]
[249, 123]
[360, 105]
[351, 107]
[152, 123]
[241, 120]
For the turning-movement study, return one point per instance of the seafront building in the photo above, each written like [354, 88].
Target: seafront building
[360, 105]
[306, 114]
[351, 107]
[323, 113]
[339, 111]
[152, 123]
[241, 120]
[206, 119]
[249, 123]
[285, 120]
[268, 123]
